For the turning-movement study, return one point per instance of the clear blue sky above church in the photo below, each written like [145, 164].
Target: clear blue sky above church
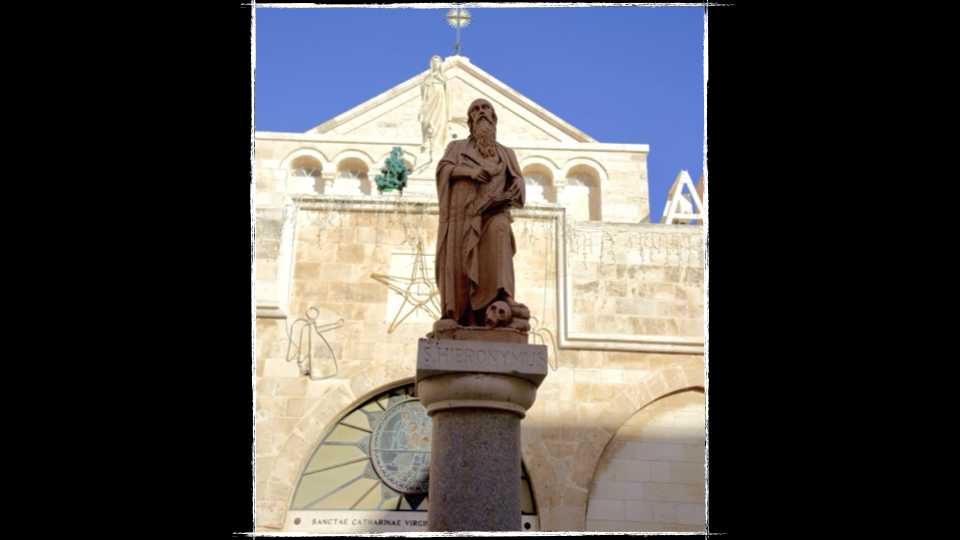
[621, 74]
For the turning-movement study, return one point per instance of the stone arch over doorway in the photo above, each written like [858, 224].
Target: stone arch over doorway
[562, 484]
[651, 476]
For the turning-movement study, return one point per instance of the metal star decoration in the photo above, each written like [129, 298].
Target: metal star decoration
[419, 292]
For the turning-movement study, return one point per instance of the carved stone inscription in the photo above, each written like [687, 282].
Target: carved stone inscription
[437, 357]
[468, 356]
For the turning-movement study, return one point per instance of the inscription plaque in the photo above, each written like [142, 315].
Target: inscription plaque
[441, 356]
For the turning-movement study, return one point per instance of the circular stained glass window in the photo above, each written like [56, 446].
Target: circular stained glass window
[400, 447]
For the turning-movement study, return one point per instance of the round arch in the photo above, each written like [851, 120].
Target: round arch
[549, 485]
[356, 154]
[301, 152]
[599, 171]
[304, 184]
[546, 162]
[407, 157]
[658, 454]
[540, 183]
[361, 184]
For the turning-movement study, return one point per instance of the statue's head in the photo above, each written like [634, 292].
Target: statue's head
[435, 62]
[480, 108]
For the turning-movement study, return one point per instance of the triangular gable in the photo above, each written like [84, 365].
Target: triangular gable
[393, 114]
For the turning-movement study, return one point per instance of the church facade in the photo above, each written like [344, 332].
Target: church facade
[344, 290]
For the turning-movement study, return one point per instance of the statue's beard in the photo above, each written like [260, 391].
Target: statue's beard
[484, 133]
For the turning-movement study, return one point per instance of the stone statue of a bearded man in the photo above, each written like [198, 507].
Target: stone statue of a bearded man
[478, 181]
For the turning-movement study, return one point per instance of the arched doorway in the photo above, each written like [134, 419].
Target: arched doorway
[651, 476]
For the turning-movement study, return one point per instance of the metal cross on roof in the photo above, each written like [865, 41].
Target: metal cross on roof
[458, 17]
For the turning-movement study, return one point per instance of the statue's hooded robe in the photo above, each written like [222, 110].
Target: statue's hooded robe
[475, 244]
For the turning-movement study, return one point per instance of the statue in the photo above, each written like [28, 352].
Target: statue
[435, 110]
[393, 174]
[478, 181]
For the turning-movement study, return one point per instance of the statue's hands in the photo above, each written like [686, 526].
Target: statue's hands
[510, 195]
[474, 173]
[506, 197]
[481, 175]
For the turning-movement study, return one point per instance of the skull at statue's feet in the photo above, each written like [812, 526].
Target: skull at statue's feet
[499, 314]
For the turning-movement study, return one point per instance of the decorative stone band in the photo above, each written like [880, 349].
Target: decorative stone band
[476, 391]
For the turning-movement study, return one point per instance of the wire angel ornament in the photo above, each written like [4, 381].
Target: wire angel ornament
[305, 356]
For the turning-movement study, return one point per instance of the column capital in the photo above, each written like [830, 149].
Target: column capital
[476, 391]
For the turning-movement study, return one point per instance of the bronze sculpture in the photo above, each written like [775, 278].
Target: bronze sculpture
[478, 181]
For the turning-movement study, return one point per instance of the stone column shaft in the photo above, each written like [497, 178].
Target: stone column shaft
[478, 452]
[476, 393]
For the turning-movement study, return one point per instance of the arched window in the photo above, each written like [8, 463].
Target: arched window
[353, 172]
[307, 171]
[579, 179]
[539, 186]
[583, 194]
[344, 472]
[376, 458]
[352, 176]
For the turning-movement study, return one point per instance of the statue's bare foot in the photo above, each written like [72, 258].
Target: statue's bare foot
[444, 324]
[522, 325]
[519, 310]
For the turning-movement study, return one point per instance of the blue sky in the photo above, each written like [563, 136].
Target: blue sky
[621, 74]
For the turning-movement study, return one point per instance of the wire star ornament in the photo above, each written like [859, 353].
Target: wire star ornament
[419, 292]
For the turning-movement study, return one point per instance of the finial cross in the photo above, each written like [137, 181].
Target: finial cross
[458, 17]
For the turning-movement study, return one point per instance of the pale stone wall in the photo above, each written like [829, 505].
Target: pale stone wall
[392, 120]
[581, 405]
[399, 123]
[650, 477]
[642, 279]
[318, 240]
[269, 194]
